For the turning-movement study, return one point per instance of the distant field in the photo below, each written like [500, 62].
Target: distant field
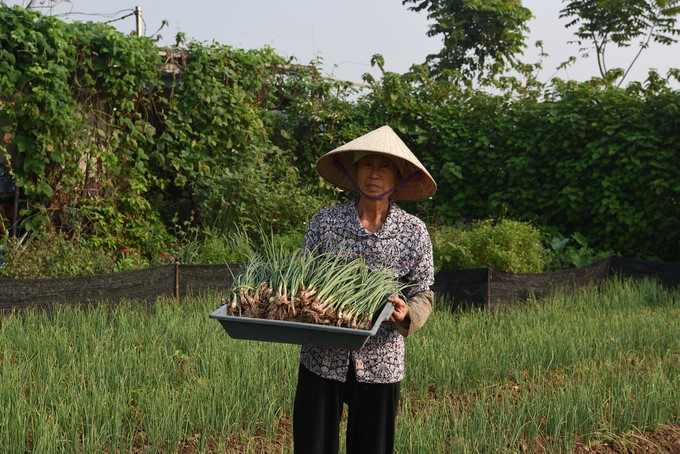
[543, 377]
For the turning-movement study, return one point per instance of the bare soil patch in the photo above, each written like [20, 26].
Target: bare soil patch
[662, 440]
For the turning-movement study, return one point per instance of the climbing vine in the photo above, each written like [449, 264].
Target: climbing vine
[111, 138]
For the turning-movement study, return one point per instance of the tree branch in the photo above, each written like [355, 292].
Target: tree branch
[642, 47]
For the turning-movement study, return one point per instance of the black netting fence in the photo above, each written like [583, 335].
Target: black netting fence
[198, 279]
[483, 288]
[144, 285]
[147, 285]
[492, 288]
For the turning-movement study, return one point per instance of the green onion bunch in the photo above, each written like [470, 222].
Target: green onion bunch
[311, 288]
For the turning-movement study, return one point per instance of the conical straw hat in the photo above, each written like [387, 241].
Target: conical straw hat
[416, 182]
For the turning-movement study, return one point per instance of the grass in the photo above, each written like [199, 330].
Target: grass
[577, 367]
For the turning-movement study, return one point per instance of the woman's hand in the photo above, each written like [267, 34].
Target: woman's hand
[400, 309]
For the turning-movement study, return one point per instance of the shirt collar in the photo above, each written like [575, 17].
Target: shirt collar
[387, 230]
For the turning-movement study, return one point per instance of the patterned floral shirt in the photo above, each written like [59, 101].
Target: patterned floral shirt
[403, 244]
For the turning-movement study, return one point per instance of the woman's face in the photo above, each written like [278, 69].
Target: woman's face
[376, 174]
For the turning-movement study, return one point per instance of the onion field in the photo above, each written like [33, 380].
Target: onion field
[575, 369]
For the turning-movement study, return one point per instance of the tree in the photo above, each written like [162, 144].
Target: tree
[480, 36]
[621, 22]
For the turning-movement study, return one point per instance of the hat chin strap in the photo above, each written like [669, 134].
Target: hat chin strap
[411, 176]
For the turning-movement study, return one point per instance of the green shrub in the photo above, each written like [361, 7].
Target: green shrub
[289, 242]
[215, 248]
[574, 252]
[225, 249]
[443, 239]
[50, 256]
[503, 244]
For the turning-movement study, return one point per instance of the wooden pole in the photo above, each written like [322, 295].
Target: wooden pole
[177, 280]
[140, 26]
[489, 270]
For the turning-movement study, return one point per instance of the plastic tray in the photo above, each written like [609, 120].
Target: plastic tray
[299, 333]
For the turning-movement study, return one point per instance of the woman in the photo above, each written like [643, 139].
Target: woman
[381, 169]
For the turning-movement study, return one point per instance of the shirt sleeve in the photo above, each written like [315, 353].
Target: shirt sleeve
[312, 236]
[420, 308]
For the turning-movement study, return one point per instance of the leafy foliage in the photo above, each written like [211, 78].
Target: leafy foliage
[600, 162]
[503, 244]
[479, 37]
[52, 256]
[571, 252]
[117, 142]
[215, 248]
[601, 22]
[104, 147]
[75, 104]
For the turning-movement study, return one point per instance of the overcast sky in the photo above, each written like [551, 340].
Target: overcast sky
[346, 33]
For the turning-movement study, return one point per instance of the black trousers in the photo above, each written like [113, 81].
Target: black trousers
[372, 411]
